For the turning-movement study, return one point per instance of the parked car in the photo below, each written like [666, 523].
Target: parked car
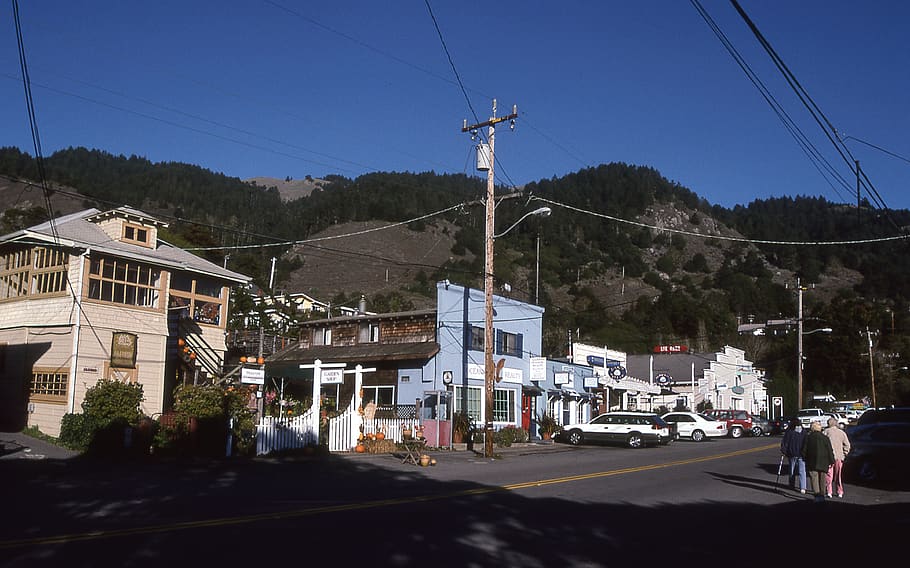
[841, 419]
[780, 424]
[696, 426]
[739, 422]
[879, 453]
[809, 415]
[761, 426]
[633, 429]
[893, 414]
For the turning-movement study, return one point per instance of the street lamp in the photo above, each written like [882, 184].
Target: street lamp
[799, 379]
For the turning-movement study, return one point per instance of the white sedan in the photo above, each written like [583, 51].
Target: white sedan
[696, 426]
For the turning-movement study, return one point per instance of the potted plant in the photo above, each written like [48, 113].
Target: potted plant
[547, 425]
[461, 426]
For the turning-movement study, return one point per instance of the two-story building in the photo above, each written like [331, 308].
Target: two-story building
[725, 379]
[98, 295]
[458, 368]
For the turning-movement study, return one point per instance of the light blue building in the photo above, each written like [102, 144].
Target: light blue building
[454, 378]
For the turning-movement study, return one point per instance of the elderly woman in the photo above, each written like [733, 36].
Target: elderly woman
[819, 456]
[841, 446]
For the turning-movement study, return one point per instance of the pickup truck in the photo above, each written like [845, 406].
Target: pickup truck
[809, 415]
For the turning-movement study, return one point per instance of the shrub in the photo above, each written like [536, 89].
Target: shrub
[509, 435]
[77, 431]
[110, 407]
[110, 400]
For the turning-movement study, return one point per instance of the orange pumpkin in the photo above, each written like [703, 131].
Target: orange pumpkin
[359, 448]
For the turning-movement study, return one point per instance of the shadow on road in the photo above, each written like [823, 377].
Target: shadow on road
[81, 512]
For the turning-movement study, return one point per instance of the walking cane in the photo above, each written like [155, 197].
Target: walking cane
[780, 466]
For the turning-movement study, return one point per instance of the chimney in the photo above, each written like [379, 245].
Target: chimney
[362, 306]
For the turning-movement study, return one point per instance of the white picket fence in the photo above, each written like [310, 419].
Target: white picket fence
[274, 434]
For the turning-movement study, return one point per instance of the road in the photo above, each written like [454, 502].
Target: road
[531, 507]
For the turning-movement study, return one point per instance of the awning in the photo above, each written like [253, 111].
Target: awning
[531, 389]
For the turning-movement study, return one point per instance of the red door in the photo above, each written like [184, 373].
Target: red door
[527, 403]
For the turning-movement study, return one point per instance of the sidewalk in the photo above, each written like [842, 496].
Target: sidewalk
[16, 445]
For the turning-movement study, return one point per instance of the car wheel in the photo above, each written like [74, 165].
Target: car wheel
[635, 440]
[698, 436]
[867, 472]
[736, 432]
[756, 431]
[575, 437]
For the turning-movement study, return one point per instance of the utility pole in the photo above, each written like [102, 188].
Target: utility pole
[489, 370]
[799, 349]
[871, 366]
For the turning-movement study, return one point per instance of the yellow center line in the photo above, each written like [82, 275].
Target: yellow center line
[281, 515]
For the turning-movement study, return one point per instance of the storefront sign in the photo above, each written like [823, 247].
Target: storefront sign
[538, 368]
[670, 348]
[252, 376]
[123, 349]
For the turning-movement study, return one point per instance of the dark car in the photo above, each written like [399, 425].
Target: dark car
[879, 453]
[779, 425]
[893, 414]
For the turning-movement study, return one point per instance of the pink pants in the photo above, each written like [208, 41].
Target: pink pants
[833, 479]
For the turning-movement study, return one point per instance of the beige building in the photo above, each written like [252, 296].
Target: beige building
[97, 295]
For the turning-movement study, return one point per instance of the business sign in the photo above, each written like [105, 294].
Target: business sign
[507, 374]
[332, 376]
[663, 379]
[617, 373]
[591, 381]
[252, 376]
[598, 361]
[777, 400]
[538, 368]
[670, 348]
[560, 378]
[123, 349]
[737, 390]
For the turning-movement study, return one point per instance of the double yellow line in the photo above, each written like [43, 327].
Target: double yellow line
[282, 515]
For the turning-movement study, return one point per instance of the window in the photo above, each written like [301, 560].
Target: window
[322, 336]
[503, 405]
[124, 282]
[135, 234]
[369, 333]
[32, 272]
[477, 338]
[49, 385]
[382, 396]
[473, 399]
[202, 298]
[508, 343]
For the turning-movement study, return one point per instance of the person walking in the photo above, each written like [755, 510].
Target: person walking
[840, 443]
[819, 456]
[791, 446]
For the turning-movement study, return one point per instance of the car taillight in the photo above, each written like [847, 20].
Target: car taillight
[721, 426]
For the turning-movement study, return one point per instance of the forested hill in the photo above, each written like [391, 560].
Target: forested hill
[627, 258]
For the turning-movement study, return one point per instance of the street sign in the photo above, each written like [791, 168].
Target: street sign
[252, 376]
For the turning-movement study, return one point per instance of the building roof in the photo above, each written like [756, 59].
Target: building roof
[677, 365]
[369, 317]
[78, 231]
[287, 362]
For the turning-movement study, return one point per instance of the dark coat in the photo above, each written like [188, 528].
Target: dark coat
[791, 445]
[817, 452]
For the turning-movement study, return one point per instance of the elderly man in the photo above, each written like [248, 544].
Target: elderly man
[841, 446]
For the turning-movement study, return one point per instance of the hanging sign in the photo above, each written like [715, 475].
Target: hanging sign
[332, 376]
[617, 373]
[663, 379]
[123, 349]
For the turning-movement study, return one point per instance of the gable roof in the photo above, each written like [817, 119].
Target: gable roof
[78, 230]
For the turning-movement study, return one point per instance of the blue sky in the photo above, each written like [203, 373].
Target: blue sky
[280, 88]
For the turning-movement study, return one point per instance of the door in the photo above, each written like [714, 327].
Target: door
[527, 412]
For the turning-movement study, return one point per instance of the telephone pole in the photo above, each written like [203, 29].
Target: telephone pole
[488, 158]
